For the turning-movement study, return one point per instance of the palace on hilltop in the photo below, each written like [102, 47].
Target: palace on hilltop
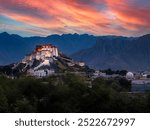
[46, 60]
[42, 52]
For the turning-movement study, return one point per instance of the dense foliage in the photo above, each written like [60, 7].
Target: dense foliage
[111, 72]
[69, 93]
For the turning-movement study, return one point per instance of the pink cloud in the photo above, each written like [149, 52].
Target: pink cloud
[98, 17]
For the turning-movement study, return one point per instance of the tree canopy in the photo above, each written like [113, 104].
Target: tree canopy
[70, 93]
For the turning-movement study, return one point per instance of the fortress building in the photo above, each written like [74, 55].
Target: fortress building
[46, 50]
[42, 52]
[46, 60]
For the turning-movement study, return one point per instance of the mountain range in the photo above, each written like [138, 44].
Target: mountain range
[14, 47]
[46, 60]
[126, 53]
[99, 52]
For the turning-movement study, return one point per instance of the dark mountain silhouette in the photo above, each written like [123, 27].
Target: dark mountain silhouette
[14, 47]
[130, 54]
[101, 52]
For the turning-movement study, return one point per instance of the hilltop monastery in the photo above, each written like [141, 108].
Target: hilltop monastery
[42, 52]
[46, 55]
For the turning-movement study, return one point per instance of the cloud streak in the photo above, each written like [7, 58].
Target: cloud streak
[98, 17]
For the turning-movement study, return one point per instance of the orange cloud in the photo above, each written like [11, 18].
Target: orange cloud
[98, 17]
[54, 14]
[130, 14]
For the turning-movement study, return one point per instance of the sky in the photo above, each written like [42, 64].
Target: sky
[96, 17]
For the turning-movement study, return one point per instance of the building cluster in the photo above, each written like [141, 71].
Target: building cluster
[140, 81]
[42, 52]
[46, 55]
[98, 74]
[138, 75]
[41, 72]
[129, 75]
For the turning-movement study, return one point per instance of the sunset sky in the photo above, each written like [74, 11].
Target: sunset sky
[96, 17]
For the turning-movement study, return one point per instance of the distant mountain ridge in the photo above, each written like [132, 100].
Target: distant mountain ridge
[45, 60]
[14, 47]
[99, 52]
[130, 54]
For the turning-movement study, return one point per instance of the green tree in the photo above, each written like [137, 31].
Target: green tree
[3, 101]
